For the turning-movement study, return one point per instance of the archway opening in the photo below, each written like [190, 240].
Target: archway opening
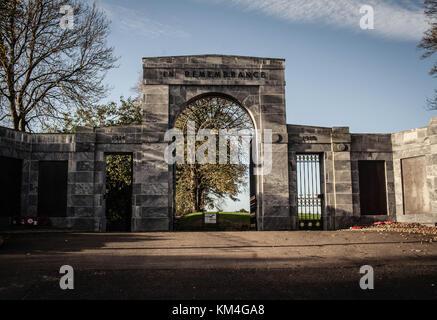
[118, 191]
[214, 183]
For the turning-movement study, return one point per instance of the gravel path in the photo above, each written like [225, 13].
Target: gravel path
[219, 265]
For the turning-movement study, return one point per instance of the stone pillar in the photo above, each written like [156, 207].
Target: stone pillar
[432, 165]
[419, 144]
[341, 188]
[26, 187]
[152, 205]
[292, 188]
[275, 213]
[84, 194]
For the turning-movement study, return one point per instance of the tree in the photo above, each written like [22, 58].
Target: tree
[127, 112]
[429, 42]
[198, 185]
[48, 69]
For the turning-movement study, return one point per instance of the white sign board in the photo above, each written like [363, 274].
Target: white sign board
[210, 218]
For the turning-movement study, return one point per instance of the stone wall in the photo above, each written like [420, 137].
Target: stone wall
[152, 190]
[32, 148]
[51, 147]
[411, 144]
[340, 152]
[258, 86]
[18, 145]
[85, 152]
[372, 147]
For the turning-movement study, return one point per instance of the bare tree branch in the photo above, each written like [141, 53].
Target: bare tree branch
[47, 68]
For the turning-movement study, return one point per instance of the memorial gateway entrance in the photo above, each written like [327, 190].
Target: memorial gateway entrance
[322, 178]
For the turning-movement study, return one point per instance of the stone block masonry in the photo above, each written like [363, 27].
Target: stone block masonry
[415, 165]
[257, 85]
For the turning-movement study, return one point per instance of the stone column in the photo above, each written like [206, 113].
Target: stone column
[84, 198]
[275, 213]
[151, 179]
[432, 165]
[421, 145]
[342, 178]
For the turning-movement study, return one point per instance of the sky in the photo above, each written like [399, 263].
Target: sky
[337, 74]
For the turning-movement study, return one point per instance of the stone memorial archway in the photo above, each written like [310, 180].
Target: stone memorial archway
[257, 85]
[314, 181]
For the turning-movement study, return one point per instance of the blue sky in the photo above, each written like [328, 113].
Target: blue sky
[336, 73]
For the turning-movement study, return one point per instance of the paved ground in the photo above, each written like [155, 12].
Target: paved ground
[231, 265]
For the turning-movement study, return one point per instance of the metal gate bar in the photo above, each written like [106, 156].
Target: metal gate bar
[309, 199]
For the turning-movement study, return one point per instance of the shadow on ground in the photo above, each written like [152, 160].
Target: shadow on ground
[254, 266]
[61, 242]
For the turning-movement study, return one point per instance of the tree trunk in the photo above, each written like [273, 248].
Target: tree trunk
[22, 125]
[14, 116]
[197, 192]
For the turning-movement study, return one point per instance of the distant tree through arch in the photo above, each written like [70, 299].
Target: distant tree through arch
[198, 186]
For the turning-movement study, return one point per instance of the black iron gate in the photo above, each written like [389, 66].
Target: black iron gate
[309, 195]
[253, 188]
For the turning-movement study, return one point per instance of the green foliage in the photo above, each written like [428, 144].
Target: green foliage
[198, 185]
[118, 172]
[118, 190]
[127, 112]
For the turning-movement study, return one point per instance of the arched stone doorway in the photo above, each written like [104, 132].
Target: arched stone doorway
[233, 134]
[257, 85]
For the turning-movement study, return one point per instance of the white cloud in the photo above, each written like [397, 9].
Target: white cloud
[398, 19]
[135, 21]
